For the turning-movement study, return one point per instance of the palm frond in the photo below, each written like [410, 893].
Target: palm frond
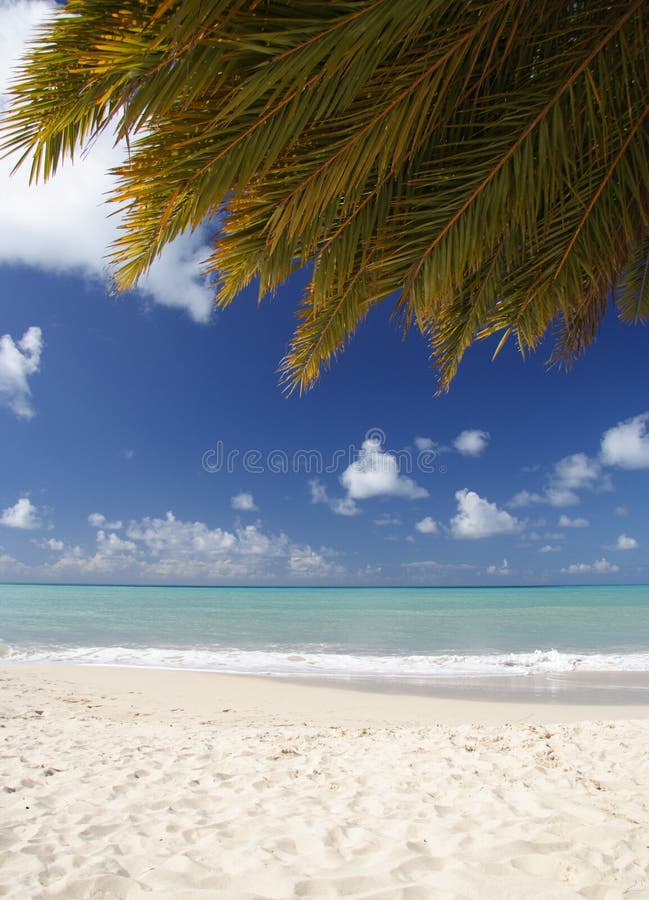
[632, 295]
[486, 161]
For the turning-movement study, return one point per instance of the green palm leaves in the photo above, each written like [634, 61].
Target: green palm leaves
[487, 162]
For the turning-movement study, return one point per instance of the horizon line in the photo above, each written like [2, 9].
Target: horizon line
[319, 586]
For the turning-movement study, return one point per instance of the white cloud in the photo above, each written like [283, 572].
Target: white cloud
[548, 548]
[627, 444]
[621, 511]
[9, 565]
[545, 536]
[429, 448]
[112, 544]
[64, 225]
[243, 501]
[18, 361]
[427, 526]
[170, 536]
[169, 549]
[307, 562]
[624, 542]
[472, 442]
[342, 506]
[567, 522]
[525, 498]
[573, 473]
[499, 570]
[22, 515]
[559, 497]
[433, 564]
[577, 568]
[478, 518]
[601, 566]
[175, 279]
[17, 19]
[376, 474]
[97, 520]
[318, 491]
[50, 544]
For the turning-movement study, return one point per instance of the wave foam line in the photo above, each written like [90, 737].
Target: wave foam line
[257, 662]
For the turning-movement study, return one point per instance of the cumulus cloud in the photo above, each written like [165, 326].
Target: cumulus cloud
[243, 501]
[427, 526]
[376, 474]
[577, 471]
[548, 548]
[428, 448]
[600, 566]
[52, 544]
[471, 442]
[627, 444]
[577, 522]
[525, 498]
[111, 544]
[98, 520]
[18, 361]
[478, 518]
[624, 542]
[64, 225]
[22, 514]
[342, 506]
[569, 475]
[169, 535]
[308, 563]
[169, 549]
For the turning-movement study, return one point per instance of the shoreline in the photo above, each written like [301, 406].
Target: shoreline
[585, 689]
[496, 700]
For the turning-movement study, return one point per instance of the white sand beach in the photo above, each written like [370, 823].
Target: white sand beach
[128, 783]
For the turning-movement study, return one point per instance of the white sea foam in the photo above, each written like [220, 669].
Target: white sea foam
[296, 662]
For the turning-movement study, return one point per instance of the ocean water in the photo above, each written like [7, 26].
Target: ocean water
[393, 633]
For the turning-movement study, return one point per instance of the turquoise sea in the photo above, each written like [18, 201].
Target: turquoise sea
[392, 633]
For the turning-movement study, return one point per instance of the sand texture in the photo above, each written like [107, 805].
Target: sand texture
[119, 783]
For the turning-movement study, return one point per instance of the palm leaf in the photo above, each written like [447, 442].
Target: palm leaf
[485, 162]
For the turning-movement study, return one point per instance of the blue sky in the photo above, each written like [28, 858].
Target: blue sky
[118, 417]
